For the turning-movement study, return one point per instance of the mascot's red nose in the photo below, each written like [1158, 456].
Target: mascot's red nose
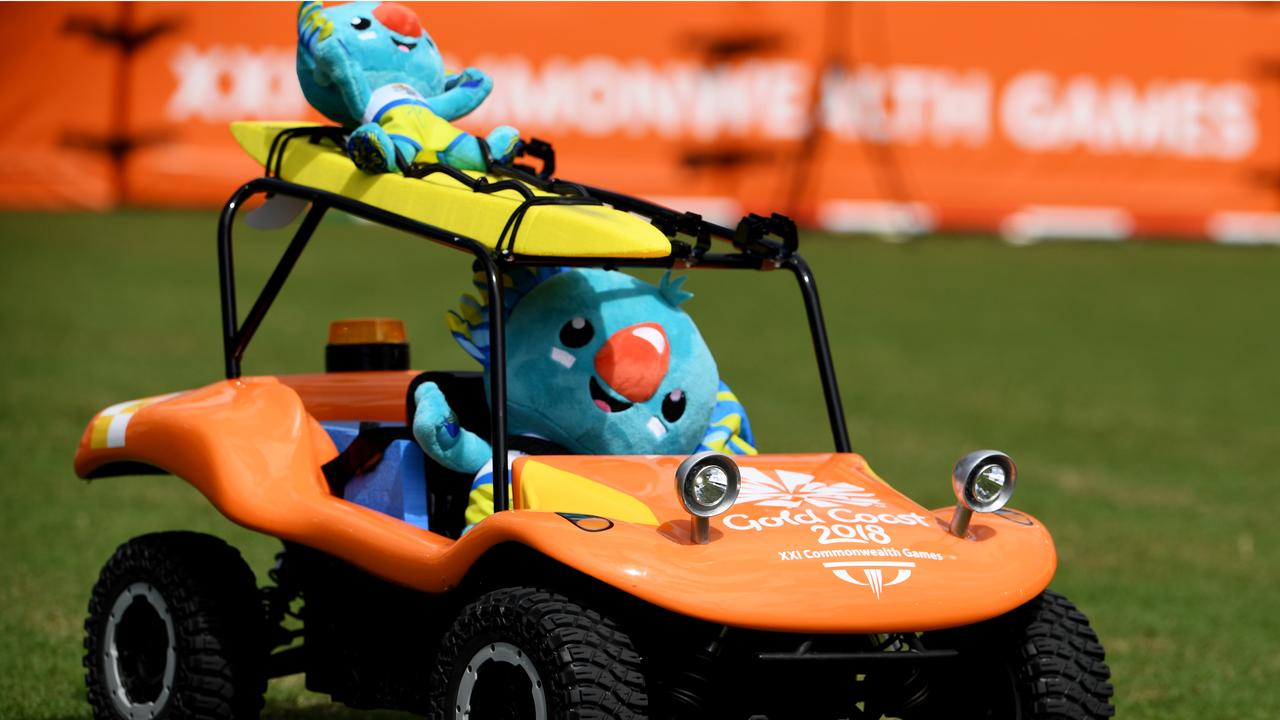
[634, 361]
[398, 19]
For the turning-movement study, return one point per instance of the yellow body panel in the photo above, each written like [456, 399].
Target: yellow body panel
[543, 487]
[548, 230]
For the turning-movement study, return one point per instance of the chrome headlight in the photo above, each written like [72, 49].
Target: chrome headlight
[707, 485]
[983, 482]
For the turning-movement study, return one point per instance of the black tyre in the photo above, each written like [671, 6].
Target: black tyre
[175, 631]
[529, 654]
[1040, 662]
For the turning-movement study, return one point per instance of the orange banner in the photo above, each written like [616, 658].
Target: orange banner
[1035, 120]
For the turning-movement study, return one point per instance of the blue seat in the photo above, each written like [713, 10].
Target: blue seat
[396, 486]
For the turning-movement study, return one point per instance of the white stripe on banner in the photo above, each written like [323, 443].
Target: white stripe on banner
[1034, 223]
[1244, 228]
[876, 216]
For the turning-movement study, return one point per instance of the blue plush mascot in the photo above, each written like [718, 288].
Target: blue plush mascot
[371, 67]
[598, 362]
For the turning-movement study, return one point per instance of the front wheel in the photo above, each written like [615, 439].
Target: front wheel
[529, 654]
[1041, 661]
[175, 630]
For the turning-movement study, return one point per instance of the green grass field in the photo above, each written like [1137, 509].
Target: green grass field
[1137, 386]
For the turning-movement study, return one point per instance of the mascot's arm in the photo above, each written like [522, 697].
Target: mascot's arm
[463, 92]
[333, 64]
[437, 431]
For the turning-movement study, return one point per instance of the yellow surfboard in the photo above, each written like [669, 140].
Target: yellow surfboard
[439, 200]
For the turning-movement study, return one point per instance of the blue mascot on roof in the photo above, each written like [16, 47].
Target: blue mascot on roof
[371, 67]
[598, 362]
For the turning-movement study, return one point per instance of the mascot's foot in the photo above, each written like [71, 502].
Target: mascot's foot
[504, 142]
[371, 149]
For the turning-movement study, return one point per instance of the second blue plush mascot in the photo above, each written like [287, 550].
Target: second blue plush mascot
[371, 67]
[598, 362]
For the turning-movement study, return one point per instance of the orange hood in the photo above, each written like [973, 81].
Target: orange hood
[815, 543]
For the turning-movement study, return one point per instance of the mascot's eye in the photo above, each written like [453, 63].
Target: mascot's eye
[576, 333]
[673, 405]
[360, 23]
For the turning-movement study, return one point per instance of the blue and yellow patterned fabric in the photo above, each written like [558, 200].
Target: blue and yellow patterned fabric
[730, 430]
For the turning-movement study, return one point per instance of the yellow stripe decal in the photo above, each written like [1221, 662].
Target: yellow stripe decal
[98, 439]
[110, 425]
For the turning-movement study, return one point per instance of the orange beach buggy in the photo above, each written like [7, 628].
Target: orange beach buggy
[767, 586]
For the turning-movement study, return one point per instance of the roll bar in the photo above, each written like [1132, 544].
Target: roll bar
[758, 243]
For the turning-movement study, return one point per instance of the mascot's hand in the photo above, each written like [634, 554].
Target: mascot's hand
[333, 64]
[463, 92]
[437, 430]
[471, 80]
[316, 37]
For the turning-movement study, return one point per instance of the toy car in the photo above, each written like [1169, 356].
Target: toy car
[765, 586]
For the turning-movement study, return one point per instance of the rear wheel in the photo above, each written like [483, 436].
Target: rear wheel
[175, 630]
[1040, 662]
[530, 654]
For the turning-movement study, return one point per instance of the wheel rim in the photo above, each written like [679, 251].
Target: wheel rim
[491, 686]
[139, 656]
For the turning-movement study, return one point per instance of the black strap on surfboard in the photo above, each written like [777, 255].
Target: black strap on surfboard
[313, 133]
[518, 180]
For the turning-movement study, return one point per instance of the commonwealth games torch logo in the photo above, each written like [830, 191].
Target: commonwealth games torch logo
[873, 573]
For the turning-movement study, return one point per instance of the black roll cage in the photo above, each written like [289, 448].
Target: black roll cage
[753, 243]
